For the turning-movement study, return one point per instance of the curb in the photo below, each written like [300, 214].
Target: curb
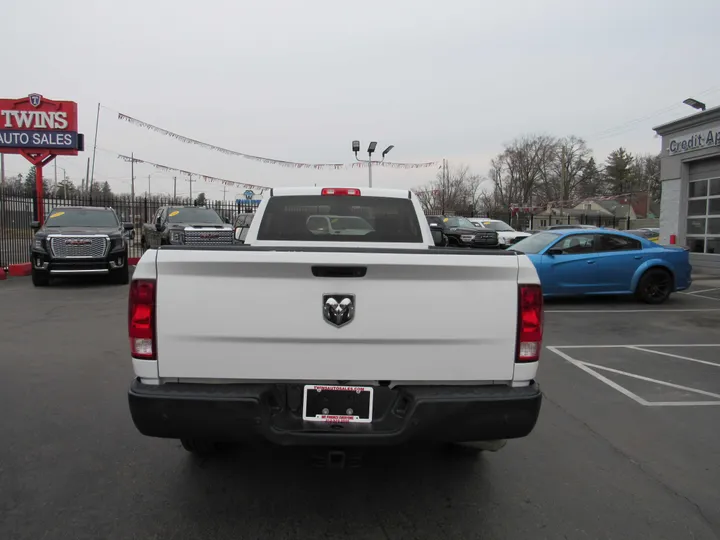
[19, 270]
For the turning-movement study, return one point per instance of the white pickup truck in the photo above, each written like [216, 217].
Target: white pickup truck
[304, 338]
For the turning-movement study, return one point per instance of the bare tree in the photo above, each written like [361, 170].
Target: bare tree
[565, 170]
[455, 191]
[518, 170]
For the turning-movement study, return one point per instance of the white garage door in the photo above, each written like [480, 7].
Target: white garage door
[703, 210]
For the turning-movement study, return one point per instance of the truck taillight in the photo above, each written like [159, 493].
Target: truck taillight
[340, 191]
[141, 319]
[530, 323]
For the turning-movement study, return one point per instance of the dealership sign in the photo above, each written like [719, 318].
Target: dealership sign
[39, 127]
[695, 141]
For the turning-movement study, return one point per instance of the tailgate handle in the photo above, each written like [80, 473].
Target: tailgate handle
[339, 271]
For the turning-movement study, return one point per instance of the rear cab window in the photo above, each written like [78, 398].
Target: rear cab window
[318, 218]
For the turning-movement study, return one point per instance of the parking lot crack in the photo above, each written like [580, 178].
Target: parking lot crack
[639, 465]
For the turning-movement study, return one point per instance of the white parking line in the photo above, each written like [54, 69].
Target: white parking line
[654, 346]
[648, 379]
[704, 291]
[599, 377]
[632, 310]
[591, 368]
[695, 295]
[681, 403]
[634, 347]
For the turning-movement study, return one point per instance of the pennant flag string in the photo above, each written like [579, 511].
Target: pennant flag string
[270, 161]
[204, 177]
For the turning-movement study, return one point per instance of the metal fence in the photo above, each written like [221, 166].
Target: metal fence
[17, 211]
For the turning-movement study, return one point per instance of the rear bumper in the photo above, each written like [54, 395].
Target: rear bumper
[273, 412]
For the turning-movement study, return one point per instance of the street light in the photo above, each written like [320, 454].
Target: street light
[695, 104]
[371, 150]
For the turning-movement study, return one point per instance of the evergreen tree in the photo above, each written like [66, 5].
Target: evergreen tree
[619, 172]
[29, 183]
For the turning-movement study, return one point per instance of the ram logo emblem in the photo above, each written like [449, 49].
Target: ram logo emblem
[338, 309]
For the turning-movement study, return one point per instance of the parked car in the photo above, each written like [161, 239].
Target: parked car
[338, 349]
[646, 233]
[580, 262]
[80, 241]
[461, 232]
[186, 225]
[561, 227]
[506, 234]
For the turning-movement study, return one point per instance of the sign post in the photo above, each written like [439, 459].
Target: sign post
[39, 129]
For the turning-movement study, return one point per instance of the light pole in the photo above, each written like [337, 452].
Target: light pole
[370, 151]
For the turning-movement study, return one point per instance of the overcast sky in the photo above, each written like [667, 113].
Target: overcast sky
[299, 80]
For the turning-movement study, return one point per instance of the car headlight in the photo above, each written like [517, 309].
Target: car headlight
[177, 237]
[39, 243]
[116, 242]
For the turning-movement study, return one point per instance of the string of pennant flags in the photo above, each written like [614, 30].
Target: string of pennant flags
[270, 161]
[204, 177]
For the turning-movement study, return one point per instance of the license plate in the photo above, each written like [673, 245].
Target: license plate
[338, 404]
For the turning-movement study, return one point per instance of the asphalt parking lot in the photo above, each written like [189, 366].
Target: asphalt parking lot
[627, 445]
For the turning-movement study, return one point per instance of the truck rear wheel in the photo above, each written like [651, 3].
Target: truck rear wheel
[199, 447]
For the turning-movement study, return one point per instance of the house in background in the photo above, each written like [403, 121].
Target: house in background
[615, 212]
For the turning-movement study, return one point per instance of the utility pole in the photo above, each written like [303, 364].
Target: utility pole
[563, 180]
[149, 175]
[191, 181]
[91, 180]
[87, 173]
[55, 179]
[224, 191]
[2, 171]
[132, 176]
[174, 188]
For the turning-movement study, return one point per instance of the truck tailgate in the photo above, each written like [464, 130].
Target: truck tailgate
[259, 315]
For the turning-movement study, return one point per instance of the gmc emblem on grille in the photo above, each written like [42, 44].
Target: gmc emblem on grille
[209, 236]
[78, 242]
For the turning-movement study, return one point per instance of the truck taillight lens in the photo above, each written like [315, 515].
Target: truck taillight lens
[141, 319]
[340, 191]
[530, 323]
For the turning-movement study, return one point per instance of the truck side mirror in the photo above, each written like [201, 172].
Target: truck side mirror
[438, 237]
[158, 224]
[128, 226]
[34, 225]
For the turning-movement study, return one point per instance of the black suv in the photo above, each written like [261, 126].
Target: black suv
[462, 233]
[188, 225]
[78, 241]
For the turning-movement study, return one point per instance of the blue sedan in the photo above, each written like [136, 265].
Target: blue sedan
[577, 262]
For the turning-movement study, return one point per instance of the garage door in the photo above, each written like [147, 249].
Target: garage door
[703, 209]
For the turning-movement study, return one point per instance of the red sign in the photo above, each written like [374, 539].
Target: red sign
[37, 127]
